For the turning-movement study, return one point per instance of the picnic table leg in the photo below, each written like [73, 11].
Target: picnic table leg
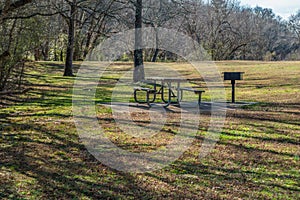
[199, 99]
[135, 98]
[178, 93]
[154, 94]
[155, 85]
[147, 99]
[181, 95]
[162, 92]
[160, 89]
[169, 84]
[171, 94]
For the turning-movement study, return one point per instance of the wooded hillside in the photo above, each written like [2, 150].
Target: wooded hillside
[66, 30]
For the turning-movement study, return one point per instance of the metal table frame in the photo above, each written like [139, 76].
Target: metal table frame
[168, 82]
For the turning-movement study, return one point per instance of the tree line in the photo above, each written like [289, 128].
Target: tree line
[67, 30]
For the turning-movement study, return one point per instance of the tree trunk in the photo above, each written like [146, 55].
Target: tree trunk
[88, 40]
[37, 56]
[87, 45]
[55, 51]
[154, 58]
[70, 47]
[46, 50]
[76, 52]
[61, 55]
[139, 73]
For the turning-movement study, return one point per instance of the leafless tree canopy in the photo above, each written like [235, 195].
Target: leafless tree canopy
[66, 30]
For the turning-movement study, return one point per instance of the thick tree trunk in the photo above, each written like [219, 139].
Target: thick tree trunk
[139, 73]
[70, 48]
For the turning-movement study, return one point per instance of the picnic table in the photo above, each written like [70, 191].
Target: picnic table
[173, 85]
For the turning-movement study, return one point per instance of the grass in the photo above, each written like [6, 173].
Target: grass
[257, 157]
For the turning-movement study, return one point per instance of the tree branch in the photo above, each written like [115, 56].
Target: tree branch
[13, 6]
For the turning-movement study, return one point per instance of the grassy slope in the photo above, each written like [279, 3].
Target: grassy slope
[256, 158]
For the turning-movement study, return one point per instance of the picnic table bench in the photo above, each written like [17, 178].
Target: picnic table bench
[195, 90]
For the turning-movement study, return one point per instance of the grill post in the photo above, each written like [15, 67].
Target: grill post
[233, 91]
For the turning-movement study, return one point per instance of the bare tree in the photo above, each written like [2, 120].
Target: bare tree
[294, 23]
[159, 13]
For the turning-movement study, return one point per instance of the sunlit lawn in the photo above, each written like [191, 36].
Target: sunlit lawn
[257, 156]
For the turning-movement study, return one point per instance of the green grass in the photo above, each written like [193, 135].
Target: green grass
[257, 157]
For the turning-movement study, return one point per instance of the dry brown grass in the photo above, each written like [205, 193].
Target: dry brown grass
[257, 156]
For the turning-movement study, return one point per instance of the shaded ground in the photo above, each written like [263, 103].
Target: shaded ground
[257, 156]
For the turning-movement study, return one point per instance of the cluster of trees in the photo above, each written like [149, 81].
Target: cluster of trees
[66, 30]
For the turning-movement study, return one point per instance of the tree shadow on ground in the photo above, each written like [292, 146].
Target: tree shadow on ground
[42, 156]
